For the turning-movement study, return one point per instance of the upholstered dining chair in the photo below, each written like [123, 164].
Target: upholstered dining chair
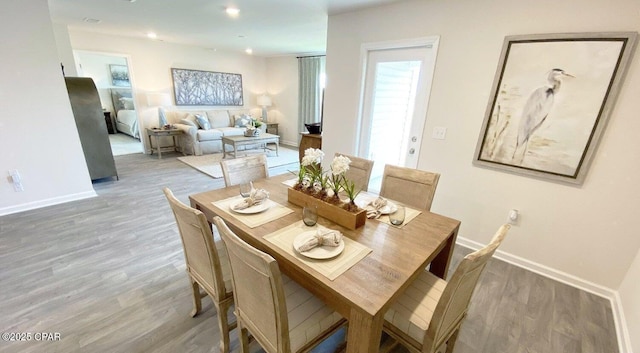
[282, 316]
[244, 169]
[359, 171]
[429, 313]
[207, 264]
[412, 187]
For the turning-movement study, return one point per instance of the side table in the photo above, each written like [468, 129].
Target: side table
[309, 141]
[158, 133]
[272, 128]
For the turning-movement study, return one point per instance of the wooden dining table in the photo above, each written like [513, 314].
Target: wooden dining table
[364, 292]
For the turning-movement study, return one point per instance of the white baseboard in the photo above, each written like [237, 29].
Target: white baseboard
[47, 202]
[622, 332]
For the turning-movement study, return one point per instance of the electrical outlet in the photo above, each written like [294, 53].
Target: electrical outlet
[439, 133]
[16, 180]
[512, 218]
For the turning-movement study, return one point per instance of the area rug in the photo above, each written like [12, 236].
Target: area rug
[210, 163]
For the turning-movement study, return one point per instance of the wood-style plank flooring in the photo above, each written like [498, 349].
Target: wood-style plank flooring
[107, 273]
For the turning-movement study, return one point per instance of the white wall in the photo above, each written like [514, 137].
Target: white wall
[38, 135]
[589, 232]
[151, 63]
[585, 235]
[65, 53]
[282, 85]
[630, 297]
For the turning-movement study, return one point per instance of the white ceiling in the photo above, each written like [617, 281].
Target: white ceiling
[269, 27]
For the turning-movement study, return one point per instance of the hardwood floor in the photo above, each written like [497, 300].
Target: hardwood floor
[107, 273]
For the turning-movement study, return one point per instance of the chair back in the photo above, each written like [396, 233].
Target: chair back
[245, 169]
[412, 187]
[203, 262]
[454, 302]
[359, 171]
[259, 295]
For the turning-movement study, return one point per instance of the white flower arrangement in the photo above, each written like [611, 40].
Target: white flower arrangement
[312, 156]
[311, 176]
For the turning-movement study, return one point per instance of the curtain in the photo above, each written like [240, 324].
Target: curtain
[309, 90]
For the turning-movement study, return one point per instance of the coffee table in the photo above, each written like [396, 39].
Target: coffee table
[237, 141]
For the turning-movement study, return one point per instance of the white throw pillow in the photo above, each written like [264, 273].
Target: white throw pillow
[188, 122]
[242, 120]
[203, 122]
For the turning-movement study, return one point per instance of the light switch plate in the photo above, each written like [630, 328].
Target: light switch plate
[439, 133]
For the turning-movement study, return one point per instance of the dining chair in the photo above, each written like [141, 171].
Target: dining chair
[359, 171]
[429, 313]
[279, 314]
[244, 169]
[412, 187]
[207, 264]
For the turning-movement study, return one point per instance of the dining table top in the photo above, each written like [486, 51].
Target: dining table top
[363, 292]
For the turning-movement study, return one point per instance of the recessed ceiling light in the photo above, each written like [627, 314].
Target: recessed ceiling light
[248, 51]
[130, 0]
[91, 20]
[232, 11]
[152, 35]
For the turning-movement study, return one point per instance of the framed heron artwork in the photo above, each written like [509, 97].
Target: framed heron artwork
[551, 98]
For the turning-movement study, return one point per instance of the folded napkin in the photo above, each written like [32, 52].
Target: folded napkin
[373, 208]
[324, 237]
[256, 197]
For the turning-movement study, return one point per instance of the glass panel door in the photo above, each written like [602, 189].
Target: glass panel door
[394, 107]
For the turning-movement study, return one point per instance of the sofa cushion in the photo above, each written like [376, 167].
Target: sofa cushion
[209, 135]
[231, 131]
[203, 122]
[219, 118]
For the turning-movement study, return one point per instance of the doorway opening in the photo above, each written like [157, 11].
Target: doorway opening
[110, 73]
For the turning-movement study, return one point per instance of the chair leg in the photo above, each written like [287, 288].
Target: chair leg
[197, 302]
[223, 322]
[451, 342]
[244, 339]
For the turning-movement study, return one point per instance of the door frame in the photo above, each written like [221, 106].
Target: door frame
[429, 41]
[134, 95]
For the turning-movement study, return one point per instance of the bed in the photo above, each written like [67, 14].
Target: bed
[126, 116]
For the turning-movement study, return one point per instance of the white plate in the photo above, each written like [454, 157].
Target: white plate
[319, 252]
[253, 209]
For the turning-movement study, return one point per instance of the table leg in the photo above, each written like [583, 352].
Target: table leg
[363, 334]
[440, 265]
[158, 147]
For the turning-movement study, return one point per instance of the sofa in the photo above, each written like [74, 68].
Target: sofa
[203, 129]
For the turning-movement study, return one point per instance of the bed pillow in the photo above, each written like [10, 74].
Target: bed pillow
[203, 122]
[127, 103]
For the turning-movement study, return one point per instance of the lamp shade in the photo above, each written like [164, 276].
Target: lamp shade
[264, 100]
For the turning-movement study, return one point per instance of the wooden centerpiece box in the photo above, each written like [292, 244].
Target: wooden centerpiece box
[334, 213]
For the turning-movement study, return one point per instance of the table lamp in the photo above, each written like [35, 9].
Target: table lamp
[264, 101]
[159, 100]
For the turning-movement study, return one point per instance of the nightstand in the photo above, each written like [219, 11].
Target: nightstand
[111, 125]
